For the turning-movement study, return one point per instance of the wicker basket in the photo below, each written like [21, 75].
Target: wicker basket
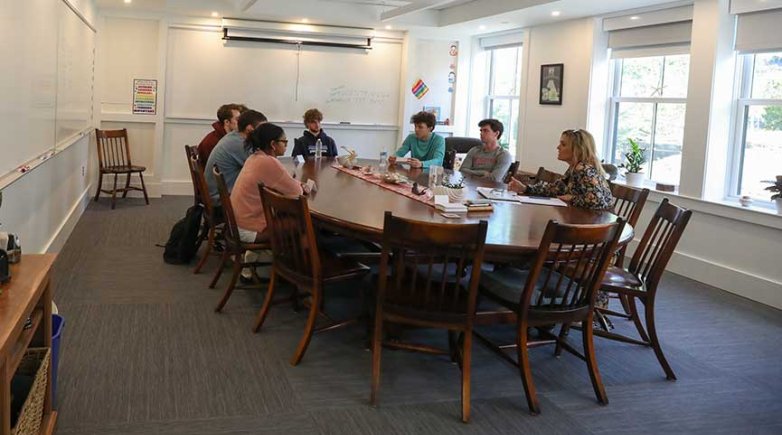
[34, 362]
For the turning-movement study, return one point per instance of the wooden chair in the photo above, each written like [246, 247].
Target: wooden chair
[234, 247]
[298, 260]
[559, 288]
[192, 152]
[546, 175]
[641, 278]
[213, 221]
[420, 285]
[114, 158]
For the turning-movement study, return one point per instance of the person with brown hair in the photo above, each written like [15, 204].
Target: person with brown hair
[584, 183]
[425, 147]
[305, 145]
[489, 160]
[227, 121]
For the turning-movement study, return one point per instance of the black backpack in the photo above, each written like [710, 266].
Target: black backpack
[183, 242]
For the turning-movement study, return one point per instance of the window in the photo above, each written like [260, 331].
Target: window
[758, 151]
[502, 101]
[648, 104]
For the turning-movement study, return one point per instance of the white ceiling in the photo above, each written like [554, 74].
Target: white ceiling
[443, 17]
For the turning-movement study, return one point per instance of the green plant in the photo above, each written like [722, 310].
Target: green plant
[635, 158]
[454, 185]
[776, 188]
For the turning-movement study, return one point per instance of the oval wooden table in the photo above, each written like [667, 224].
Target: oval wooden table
[349, 205]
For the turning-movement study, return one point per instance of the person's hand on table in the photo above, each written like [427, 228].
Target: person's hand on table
[517, 186]
[414, 163]
[391, 160]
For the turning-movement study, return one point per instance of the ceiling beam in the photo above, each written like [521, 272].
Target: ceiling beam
[416, 6]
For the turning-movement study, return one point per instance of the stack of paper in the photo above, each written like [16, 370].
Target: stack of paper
[497, 195]
[441, 202]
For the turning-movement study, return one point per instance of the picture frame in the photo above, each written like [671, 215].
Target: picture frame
[551, 80]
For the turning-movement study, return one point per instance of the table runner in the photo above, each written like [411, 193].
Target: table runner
[402, 189]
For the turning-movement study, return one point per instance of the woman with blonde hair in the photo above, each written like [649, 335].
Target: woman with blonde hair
[584, 183]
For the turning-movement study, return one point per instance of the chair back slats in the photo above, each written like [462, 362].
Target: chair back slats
[628, 202]
[424, 263]
[658, 242]
[294, 247]
[192, 152]
[546, 175]
[231, 230]
[113, 150]
[200, 188]
[569, 266]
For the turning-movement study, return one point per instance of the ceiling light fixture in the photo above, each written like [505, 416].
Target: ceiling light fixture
[482, 27]
[127, 2]
[215, 14]
[305, 20]
[635, 17]
[555, 13]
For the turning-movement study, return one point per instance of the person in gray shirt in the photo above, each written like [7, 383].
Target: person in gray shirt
[489, 160]
[230, 154]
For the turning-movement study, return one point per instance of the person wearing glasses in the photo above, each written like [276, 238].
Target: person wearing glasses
[584, 184]
[425, 147]
[266, 143]
[489, 160]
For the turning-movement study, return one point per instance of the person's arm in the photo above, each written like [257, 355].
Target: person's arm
[438, 152]
[405, 147]
[501, 166]
[542, 188]
[331, 146]
[587, 190]
[281, 180]
[467, 162]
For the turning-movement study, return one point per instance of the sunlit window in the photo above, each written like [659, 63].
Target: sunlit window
[503, 95]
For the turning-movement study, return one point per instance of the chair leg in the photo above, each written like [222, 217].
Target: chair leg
[309, 327]
[267, 303]
[655, 343]
[376, 349]
[220, 268]
[114, 193]
[100, 185]
[127, 185]
[237, 269]
[589, 354]
[526, 371]
[625, 303]
[637, 319]
[143, 188]
[562, 334]
[210, 241]
[466, 373]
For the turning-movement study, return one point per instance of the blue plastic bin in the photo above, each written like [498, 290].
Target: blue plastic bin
[58, 322]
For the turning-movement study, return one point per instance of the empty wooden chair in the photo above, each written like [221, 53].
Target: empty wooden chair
[114, 158]
[420, 284]
[546, 175]
[559, 288]
[213, 218]
[640, 280]
[298, 260]
[234, 248]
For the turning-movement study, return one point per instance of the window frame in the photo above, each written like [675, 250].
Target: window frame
[615, 99]
[745, 68]
[491, 97]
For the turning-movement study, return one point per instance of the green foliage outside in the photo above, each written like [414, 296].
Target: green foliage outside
[772, 118]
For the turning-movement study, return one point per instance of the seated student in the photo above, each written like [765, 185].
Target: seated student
[305, 145]
[489, 160]
[584, 183]
[266, 143]
[230, 153]
[227, 117]
[425, 147]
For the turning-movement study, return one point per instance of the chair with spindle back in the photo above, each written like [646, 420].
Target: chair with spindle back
[559, 288]
[421, 285]
[234, 247]
[546, 175]
[114, 158]
[298, 260]
[641, 278]
[212, 216]
[191, 152]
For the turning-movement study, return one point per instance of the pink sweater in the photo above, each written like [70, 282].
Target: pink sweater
[245, 198]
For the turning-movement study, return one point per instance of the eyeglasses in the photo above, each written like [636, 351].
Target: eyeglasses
[285, 141]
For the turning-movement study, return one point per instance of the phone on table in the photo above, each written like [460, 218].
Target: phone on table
[511, 172]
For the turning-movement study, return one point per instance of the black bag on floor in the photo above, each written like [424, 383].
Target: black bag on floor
[183, 243]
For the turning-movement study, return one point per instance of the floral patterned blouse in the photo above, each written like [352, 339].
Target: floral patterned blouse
[589, 189]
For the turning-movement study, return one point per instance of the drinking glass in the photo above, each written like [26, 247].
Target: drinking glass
[435, 175]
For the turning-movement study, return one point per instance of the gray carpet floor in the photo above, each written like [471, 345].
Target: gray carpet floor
[143, 353]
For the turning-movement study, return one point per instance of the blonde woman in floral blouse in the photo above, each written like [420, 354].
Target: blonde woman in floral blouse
[584, 183]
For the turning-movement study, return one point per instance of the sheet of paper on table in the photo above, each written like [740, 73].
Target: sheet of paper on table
[540, 200]
[497, 195]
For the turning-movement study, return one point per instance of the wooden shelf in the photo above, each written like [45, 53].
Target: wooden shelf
[24, 341]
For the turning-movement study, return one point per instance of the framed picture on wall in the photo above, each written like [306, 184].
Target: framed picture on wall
[551, 83]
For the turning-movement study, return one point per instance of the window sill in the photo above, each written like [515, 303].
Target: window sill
[726, 209]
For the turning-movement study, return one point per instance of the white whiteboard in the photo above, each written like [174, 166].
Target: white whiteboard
[45, 80]
[347, 85]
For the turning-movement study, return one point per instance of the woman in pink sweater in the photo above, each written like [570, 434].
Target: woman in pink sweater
[265, 143]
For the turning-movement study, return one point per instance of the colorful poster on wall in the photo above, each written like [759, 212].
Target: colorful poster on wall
[144, 97]
[419, 89]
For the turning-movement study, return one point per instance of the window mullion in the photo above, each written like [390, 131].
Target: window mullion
[652, 138]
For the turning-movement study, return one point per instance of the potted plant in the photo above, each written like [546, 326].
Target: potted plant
[455, 190]
[776, 188]
[634, 159]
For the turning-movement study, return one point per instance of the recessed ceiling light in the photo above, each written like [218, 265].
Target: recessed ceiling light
[215, 14]
[389, 27]
[555, 13]
[304, 20]
[635, 17]
[482, 27]
[128, 1]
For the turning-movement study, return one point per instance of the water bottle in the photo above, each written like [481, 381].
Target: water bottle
[318, 149]
[383, 166]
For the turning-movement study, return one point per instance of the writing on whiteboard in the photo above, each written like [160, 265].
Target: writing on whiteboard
[345, 94]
